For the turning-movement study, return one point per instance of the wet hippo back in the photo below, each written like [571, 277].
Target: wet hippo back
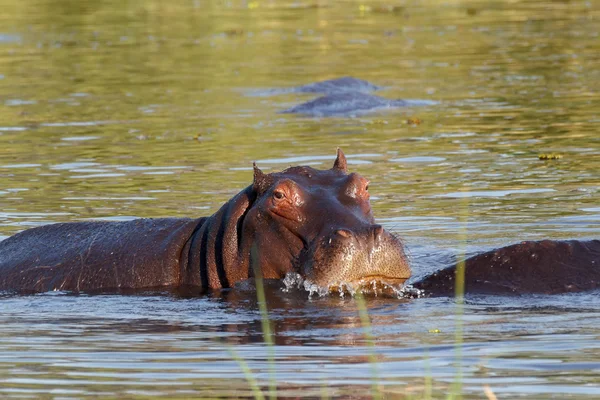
[346, 96]
[529, 267]
[142, 253]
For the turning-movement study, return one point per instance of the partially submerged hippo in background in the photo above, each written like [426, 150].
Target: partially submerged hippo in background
[345, 96]
[546, 266]
[349, 103]
[316, 223]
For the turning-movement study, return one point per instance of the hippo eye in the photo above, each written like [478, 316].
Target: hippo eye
[367, 188]
[278, 195]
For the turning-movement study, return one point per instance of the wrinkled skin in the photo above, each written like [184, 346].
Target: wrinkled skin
[317, 223]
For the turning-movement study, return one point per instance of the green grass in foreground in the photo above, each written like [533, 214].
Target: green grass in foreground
[377, 390]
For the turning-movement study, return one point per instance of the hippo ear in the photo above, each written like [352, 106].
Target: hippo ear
[262, 181]
[340, 163]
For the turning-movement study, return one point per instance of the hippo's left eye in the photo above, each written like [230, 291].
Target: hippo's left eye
[278, 195]
[367, 188]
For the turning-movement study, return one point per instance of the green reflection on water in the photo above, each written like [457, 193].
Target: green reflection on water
[99, 100]
[156, 84]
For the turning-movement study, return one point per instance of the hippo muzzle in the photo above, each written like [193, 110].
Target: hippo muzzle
[355, 257]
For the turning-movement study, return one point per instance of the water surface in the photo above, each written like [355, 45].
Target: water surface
[118, 110]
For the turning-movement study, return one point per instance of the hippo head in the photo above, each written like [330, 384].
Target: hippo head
[319, 224]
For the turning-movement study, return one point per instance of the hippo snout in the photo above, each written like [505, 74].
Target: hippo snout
[354, 256]
[367, 241]
[375, 232]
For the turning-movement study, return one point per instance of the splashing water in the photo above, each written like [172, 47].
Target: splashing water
[294, 281]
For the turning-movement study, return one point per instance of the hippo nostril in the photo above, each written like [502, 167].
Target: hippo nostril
[378, 231]
[344, 233]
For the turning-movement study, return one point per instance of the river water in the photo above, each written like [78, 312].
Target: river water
[116, 110]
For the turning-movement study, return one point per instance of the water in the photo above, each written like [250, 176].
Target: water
[117, 110]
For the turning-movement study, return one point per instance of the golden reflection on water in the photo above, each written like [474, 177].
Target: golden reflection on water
[112, 109]
[160, 85]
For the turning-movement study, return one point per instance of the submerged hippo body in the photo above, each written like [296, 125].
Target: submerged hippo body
[316, 223]
[349, 103]
[545, 266]
[346, 96]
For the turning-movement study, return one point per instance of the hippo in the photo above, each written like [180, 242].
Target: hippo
[349, 103]
[346, 96]
[540, 267]
[314, 223]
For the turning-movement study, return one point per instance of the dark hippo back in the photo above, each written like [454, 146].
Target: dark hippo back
[142, 253]
[529, 267]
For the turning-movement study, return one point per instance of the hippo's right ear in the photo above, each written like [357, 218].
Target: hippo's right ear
[262, 181]
[340, 163]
